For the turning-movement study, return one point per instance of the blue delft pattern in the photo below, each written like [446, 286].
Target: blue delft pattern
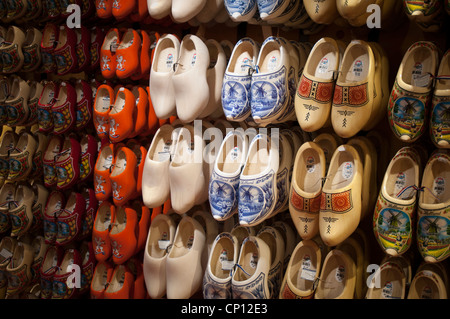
[222, 196]
[236, 96]
[269, 6]
[242, 7]
[213, 289]
[252, 290]
[269, 94]
[282, 189]
[292, 89]
[256, 198]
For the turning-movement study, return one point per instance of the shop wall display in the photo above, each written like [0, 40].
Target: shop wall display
[224, 149]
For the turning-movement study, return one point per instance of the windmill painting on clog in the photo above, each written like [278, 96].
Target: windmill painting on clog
[411, 94]
[269, 88]
[238, 79]
[433, 238]
[394, 215]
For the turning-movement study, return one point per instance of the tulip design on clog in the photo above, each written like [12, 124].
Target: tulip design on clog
[88, 157]
[269, 88]
[433, 240]
[258, 185]
[64, 110]
[67, 164]
[236, 94]
[224, 184]
[65, 53]
[412, 90]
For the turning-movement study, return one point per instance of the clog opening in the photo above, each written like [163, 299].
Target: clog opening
[103, 219]
[62, 38]
[70, 205]
[159, 237]
[222, 254]
[53, 149]
[48, 94]
[248, 260]
[50, 261]
[342, 171]
[425, 288]
[334, 277]
[100, 278]
[418, 64]
[49, 36]
[231, 155]
[161, 147]
[356, 64]
[323, 62]
[165, 56]
[183, 241]
[258, 158]
[270, 57]
[17, 257]
[304, 268]
[401, 176]
[242, 59]
[105, 159]
[120, 221]
[188, 56]
[434, 180]
[391, 284]
[309, 172]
